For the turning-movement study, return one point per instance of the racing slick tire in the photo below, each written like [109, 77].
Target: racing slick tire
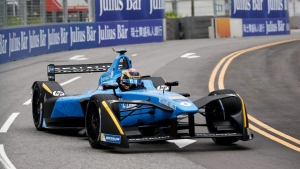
[37, 108]
[92, 118]
[214, 113]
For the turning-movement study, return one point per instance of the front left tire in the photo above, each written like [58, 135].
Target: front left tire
[37, 109]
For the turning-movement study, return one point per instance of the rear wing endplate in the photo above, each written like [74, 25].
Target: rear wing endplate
[82, 68]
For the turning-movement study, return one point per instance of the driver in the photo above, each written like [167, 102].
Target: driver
[131, 79]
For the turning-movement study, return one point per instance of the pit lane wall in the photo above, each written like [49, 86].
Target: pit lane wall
[119, 23]
[255, 18]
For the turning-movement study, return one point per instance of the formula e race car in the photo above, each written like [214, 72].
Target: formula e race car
[129, 108]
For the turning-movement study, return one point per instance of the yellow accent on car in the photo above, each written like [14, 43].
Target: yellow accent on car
[244, 111]
[46, 88]
[113, 117]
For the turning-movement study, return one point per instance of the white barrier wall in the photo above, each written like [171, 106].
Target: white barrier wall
[236, 29]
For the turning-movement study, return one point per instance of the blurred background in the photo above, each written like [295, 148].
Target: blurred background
[34, 12]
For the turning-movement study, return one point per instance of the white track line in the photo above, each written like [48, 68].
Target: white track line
[71, 80]
[8, 122]
[4, 160]
[28, 102]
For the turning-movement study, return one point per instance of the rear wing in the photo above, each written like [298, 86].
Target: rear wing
[82, 68]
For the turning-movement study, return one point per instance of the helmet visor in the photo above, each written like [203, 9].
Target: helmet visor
[132, 81]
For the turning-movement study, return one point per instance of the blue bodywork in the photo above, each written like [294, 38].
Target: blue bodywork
[70, 106]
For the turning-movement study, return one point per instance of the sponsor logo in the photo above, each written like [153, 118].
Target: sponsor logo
[241, 5]
[3, 44]
[275, 5]
[162, 87]
[156, 5]
[231, 94]
[185, 104]
[128, 106]
[50, 69]
[112, 5]
[167, 103]
[109, 138]
[17, 43]
[37, 39]
[77, 35]
[58, 93]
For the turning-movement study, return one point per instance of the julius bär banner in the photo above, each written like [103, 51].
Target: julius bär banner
[265, 26]
[259, 8]
[116, 10]
[23, 42]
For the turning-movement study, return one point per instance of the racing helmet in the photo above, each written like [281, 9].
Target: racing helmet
[130, 79]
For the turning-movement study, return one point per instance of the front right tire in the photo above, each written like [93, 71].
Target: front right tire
[214, 113]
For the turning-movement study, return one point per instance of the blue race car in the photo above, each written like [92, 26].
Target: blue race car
[129, 108]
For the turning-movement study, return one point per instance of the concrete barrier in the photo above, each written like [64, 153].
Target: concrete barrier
[295, 22]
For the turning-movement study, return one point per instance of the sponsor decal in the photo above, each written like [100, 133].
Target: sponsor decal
[231, 94]
[109, 138]
[162, 87]
[37, 39]
[17, 43]
[50, 69]
[3, 44]
[180, 100]
[56, 38]
[259, 8]
[185, 104]
[150, 138]
[128, 106]
[167, 103]
[58, 93]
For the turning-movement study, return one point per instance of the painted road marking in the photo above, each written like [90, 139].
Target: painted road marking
[8, 122]
[189, 55]
[134, 55]
[4, 160]
[229, 59]
[62, 84]
[182, 142]
[78, 57]
[71, 80]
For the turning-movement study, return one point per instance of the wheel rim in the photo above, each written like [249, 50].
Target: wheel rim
[36, 109]
[93, 122]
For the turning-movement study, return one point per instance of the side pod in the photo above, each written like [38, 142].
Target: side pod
[111, 131]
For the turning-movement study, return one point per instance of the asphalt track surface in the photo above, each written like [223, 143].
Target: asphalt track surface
[268, 80]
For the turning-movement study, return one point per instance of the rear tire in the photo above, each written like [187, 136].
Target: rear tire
[93, 119]
[37, 108]
[214, 113]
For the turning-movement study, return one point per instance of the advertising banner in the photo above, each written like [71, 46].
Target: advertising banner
[58, 38]
[262, 27]
[4, 46]
[142, 31]
[117, 10]
[18, 43]
[82, 36]
[259, 9]
[37, 40]
[112, 33]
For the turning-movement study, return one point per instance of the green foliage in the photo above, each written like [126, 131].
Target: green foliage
[13, 21]
[172, 14]
[16, 21]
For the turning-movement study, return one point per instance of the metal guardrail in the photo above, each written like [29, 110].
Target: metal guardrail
[36, 12]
